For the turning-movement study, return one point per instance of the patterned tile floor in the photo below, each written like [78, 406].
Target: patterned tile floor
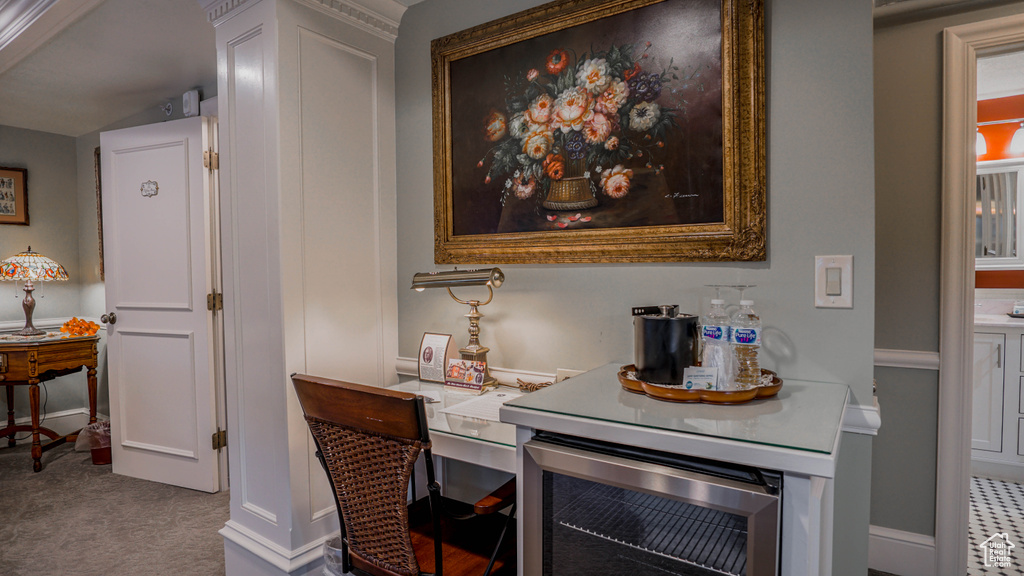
[997, 516]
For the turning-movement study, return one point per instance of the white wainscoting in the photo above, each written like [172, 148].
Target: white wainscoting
[896, 551]
[907, 359]
[63, 422]
[43, 323]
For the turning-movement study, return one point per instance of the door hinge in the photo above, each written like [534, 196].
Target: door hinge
[220, 439]
[215, 301]
[211, 160]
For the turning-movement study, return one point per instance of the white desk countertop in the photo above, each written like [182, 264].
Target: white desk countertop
[479, 440]
[796, 431]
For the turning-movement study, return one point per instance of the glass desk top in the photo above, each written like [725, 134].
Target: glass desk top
[491, 431]
[803, 416]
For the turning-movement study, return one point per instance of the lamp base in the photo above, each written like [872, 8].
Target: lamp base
[29, 304]
[29, 331]
[480, 355]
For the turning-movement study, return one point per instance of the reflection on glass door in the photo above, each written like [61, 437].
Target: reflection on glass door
[997, 234]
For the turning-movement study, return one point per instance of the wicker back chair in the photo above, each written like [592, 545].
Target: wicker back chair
[368, 440]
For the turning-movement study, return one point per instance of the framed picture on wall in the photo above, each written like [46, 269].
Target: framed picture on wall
[14, 196]
[99, 204]
[602, 131]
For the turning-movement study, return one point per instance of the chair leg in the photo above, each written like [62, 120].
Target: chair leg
[501, 539]
[346, 562]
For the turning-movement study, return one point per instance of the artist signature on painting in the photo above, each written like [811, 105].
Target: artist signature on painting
[680, 195]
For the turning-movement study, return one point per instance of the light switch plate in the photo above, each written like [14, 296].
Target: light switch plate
[845, 297]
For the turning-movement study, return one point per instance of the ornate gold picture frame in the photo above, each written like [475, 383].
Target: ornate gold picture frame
[602, 131]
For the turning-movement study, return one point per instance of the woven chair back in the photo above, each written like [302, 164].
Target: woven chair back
[370, 439]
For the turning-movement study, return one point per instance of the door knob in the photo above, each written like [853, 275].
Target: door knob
[109, 318]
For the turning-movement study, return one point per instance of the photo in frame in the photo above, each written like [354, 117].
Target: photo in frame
[14, 196]
[435, 352]
[602, 131]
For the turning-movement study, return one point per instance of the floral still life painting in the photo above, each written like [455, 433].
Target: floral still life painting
[582, 135]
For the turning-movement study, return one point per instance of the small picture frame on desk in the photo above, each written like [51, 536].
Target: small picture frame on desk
[435, 352]
[465, 376]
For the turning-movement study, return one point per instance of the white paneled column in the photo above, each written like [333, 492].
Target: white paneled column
[309, 249]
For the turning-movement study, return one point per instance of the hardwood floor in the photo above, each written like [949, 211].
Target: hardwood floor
[467, 545]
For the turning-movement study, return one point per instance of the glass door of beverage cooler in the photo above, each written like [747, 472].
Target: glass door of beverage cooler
[610, 509]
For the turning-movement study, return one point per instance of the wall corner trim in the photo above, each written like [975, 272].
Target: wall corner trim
[914, 359]
[900, 552]
[857, 419]
[860, 419]
[278, 556]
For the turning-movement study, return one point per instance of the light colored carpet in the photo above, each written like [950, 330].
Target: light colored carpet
[79, 519]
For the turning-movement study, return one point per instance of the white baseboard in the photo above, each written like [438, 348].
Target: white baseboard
[63, 422]
[250, 548]
[998, 469]
[899, 552]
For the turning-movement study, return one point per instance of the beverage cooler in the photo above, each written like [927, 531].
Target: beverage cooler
[614, 509]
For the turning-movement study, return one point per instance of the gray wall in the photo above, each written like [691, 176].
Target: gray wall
[908, 162]
[52, 231]
[820, 200]
[64, 226]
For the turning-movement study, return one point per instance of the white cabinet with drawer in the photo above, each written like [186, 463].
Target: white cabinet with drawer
[997, 415]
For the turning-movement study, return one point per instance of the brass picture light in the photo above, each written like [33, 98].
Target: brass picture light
[490, 277]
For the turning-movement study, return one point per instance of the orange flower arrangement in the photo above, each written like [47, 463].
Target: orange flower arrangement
[78, 327]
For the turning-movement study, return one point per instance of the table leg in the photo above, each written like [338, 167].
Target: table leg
[37, 447]
[92, 395]
[10, 414]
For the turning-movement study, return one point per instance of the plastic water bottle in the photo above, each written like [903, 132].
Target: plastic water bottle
[716, 349]
[746, 339]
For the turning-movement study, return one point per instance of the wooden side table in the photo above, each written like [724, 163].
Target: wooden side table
[27, 362]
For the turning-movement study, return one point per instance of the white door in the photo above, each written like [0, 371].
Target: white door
[987, 413]
[158, 256]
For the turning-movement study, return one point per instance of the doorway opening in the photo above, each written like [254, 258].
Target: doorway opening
[963, 45]
[997, 421]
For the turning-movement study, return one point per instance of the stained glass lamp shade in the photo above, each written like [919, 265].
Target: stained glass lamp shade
[31, 267]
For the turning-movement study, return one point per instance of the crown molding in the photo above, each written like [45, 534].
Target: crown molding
[27, 27]
[218, 10]
[378, 17]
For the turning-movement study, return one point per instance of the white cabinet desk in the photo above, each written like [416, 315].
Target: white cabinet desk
[488, 443]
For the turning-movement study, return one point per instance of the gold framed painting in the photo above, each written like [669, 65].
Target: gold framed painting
[14, 196]
[602, 131]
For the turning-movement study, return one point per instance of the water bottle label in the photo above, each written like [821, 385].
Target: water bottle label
[747, 336]
[716, 333]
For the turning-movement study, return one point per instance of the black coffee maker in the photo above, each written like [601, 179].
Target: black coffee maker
[664, 343]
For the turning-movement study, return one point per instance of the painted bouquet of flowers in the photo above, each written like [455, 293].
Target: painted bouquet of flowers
[568, 126]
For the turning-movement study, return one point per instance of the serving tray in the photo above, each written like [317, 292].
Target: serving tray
[677, 393]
